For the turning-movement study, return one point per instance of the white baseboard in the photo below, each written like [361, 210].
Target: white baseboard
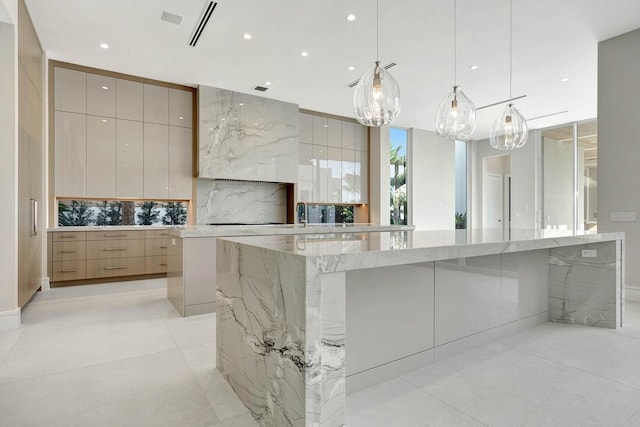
[632, 293]
[45, 285]
[10, 319]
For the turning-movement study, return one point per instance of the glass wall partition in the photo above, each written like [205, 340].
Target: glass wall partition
[461, 184]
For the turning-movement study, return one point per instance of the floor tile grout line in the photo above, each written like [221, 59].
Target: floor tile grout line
[634, 414]
[66, 371]
[538, 356]
[426, 393]
[12, 345]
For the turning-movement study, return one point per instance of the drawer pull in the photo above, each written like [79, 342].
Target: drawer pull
[119, 267]
[163, 265]
[115, 235]
[165, 234]
[114, 249]
[68, 237]
[68, 271]
[163, 247]
[67, 252]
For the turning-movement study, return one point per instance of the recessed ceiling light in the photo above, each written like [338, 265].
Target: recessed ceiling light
[351, 68]
[105, 87]
[267, 83]
[104, 45]
[326, 126]
[180, 118]
[304, 53]
[241, 104]
[473, 67]
[246, 36]
[566, 79]
[104, 120]
[351, 17]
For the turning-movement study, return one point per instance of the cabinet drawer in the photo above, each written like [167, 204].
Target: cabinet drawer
[69, 251]
[115, 267]
[67, 236]
[115, 235]
[156, 264]
[107, 249]
[68, 270]
[155, 247]
[157, 234]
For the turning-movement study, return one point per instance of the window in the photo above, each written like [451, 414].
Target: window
[121, 212]
[397, 174]
[461, 184]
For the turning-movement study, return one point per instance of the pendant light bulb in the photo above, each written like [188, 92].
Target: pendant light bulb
[456, 116]
[509, 131]
[376, 98]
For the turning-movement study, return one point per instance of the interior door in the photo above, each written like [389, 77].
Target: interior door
[493, 201]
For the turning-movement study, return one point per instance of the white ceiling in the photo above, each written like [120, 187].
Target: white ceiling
[553, 39]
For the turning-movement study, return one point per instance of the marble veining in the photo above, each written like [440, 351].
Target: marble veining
[197, 231]
[247, 137]
[241, 202]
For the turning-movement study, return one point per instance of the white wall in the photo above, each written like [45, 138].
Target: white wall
[8, 164]
[431, 177]
[8, 11]
[619, 141]
[379, 147]
[525, 181]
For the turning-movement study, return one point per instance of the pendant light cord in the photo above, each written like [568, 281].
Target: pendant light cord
[510, 50]
[377, 30]
[455, 42]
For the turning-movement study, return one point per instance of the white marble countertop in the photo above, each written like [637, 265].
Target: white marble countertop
[343, 251]
[109, 228]
[279, 229]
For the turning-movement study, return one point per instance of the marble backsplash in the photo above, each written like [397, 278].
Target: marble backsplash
[245, 137]
[241, 202]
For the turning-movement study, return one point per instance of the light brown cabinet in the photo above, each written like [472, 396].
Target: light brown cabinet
[96, 254]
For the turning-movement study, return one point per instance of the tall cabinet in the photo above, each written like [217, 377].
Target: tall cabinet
[118, 137]
[30, 159]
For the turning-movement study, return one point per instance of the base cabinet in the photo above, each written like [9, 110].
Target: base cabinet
[97, 254]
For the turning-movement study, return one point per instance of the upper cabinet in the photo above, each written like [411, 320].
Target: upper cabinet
[246, 137]
[333, 162]
[121, 138]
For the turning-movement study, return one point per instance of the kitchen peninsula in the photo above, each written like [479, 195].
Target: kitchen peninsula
[192, 269]
[303, 319]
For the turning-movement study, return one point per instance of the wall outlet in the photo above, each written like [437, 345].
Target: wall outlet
[623, 216]
[589, 253]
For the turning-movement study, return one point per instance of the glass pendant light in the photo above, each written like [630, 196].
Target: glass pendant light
[456, 115]
[510, 130]
[376, 99]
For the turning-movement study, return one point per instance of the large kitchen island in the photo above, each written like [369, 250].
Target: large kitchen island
[305, 319]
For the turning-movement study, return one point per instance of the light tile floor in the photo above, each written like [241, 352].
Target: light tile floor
[119, 355]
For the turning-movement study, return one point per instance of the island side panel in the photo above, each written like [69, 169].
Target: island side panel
[584, 289]
[260, 331]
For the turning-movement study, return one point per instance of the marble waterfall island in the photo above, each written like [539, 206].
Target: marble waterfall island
[304, 319]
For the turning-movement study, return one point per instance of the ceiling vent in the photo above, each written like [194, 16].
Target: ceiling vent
[501, 102]
[209, 7]
[170, 17]
[386, 67]
[260, 88]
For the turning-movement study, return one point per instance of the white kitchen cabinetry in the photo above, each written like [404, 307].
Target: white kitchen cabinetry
[333, 160]
[156, 161]
[129, 158]
[101, 95]
[334, 175]
[121, 138]
[71, 154]
[180, 108]
[129, 100]
[180, 161]
[156, 104]
[70, 90]
[101, 157]
[305, 172]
